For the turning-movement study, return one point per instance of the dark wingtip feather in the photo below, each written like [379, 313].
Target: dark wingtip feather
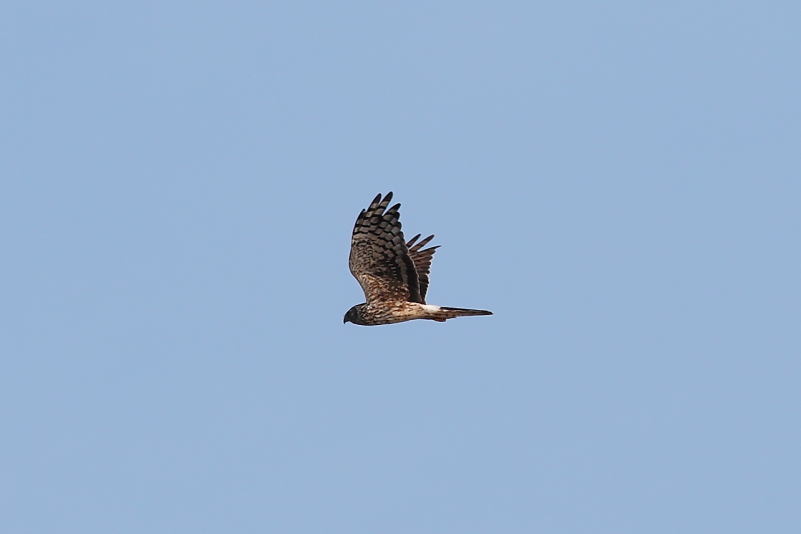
[410, 243]
[425, 241]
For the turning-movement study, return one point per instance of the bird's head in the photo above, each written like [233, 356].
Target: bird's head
[354, 315]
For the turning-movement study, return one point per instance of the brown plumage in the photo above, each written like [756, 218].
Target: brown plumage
[392, 272]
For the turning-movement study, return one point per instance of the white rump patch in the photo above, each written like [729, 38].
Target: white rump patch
[431, 307]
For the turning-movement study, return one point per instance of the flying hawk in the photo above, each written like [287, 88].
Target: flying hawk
[392, 272]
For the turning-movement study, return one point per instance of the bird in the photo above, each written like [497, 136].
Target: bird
[393, 273]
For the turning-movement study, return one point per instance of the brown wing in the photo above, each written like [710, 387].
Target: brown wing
[379, 258]
[422, 261]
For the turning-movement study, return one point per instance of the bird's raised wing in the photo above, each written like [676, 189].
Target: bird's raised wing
[422, 261]
[379, 258]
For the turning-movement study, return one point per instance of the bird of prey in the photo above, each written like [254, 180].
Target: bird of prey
[392, 272]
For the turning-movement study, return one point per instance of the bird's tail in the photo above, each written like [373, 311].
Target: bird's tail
[444, 313]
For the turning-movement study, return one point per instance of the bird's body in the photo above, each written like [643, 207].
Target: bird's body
[392, 272]
[377, 313]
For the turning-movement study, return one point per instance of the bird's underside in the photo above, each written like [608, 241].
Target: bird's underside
[392, 272]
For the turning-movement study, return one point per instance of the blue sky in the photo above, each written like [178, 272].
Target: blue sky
[617, 181]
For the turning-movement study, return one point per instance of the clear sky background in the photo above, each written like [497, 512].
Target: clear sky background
[620, 182]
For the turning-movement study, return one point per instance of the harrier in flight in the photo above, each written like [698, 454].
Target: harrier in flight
[392, 272]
